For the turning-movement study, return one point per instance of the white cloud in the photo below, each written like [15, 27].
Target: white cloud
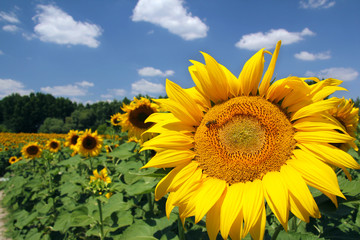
[316, 4]
[268, 40]
[10, 28]
[172, 15]
[306, 56]
[151, 72]
[9, 17]
[145, 87]
[9, 86]
[56, 26]
[344, 74]
[85, 84]
[73, 90]
[1, 52]
[112, 93]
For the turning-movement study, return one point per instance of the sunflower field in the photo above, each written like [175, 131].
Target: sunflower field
[232, 158]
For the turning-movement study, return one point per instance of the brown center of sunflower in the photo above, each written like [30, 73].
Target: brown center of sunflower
[89, 142]
[32, 150]
[242, 139]
[74, 139]
[54, 145]
[138, 116]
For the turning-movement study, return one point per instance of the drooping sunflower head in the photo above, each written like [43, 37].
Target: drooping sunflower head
[31, 150]
[235, 142]
[348, 116]
[53, 145]
[134, 116]
[13, 159]
[72, 138]
[89, 143]
[99, 182]
[116, 119]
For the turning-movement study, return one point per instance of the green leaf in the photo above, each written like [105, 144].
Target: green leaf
[114, 204]
[73, 161]
[296, 236]
[62, 223]
[145, 185]
[70, 189]
[24, 219]
[140, 230]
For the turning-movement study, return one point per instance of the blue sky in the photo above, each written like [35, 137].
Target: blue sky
[89, 51]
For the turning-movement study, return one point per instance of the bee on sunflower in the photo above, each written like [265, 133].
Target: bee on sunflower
[234, 143]
[31, 150]
[133, 120]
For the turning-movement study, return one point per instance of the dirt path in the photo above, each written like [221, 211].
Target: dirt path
[2, 222]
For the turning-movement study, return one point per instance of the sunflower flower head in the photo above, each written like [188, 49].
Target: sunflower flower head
[348, 116]
[99, 183]
[13, 159]
[235, 142]
[53, 145]
[133, 120]
[72, 138]
[89, 144]
[31, 150]
[116, 119]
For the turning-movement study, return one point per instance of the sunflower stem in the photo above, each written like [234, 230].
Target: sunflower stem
[180, 229]
[91, 166]
[101, 220]
[277, 231]
[149, 195]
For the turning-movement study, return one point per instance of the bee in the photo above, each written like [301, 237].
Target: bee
[208, 124]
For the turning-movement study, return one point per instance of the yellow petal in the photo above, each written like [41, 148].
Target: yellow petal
[330, 154]
[265, 83]
[236, 231]
[183, 175]
[276, 194]
[318, 123]
[163, 185]
[206, 196]
[213, 220]
[204, 83]
[231, 207]
[96, 174]
[169, 140]
[184, 192]
[252, 207]
[251, 73]
[179, 95]
[234, 83]
[169, 204]
[302, 203]
[217, 77]
[170, 158]
[258, 230]
[315, 173]
[178, 110]
[316, 108]
[322, 137]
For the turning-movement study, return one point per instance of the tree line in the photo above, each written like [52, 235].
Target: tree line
[39, 112]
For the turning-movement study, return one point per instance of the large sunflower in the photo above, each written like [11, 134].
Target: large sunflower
[235, 142]
[133, 120]
[89, 143]
[31, 150]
